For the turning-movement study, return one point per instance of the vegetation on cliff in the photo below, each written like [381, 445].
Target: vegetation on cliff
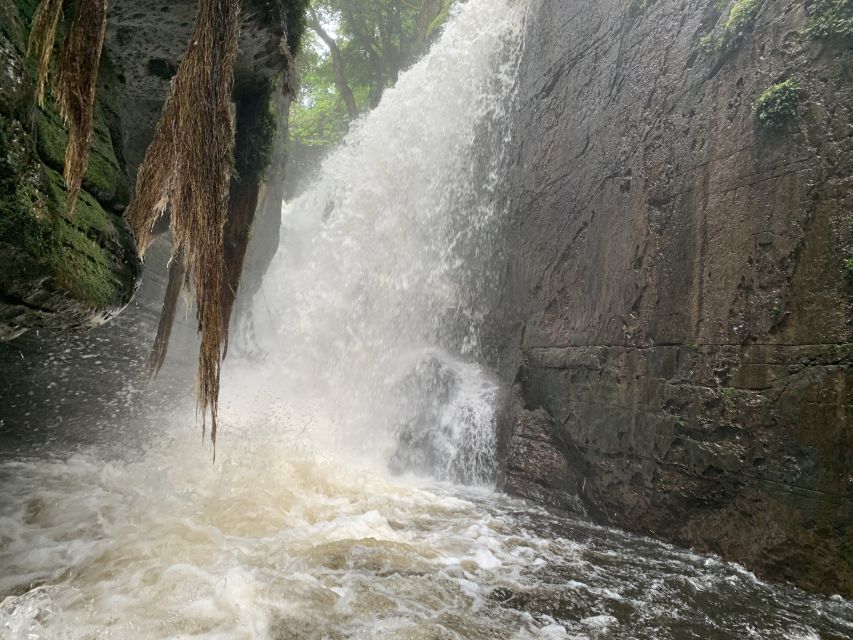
[54, 123]
[831, 19]
[738, 22]
[778, 104]
[74, 85]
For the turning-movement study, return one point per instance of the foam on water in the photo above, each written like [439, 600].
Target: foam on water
[281, 541]
[331, 511]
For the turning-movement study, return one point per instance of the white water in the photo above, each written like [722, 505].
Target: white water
[322, 517]
[386, 266]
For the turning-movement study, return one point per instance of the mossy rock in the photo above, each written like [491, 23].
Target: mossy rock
[105, 178]
[57, 269]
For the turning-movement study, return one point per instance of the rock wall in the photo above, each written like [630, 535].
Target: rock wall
[678, 301]
[62, 388]
[57, 270]
[63, 272]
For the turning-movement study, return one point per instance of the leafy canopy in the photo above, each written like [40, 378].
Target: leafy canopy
[377, 39]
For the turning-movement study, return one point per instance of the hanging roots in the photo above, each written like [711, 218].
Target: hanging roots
[177, 274]
[188, 166]
[42, 39]
[78, 74]
[155, 177]
[252, 154]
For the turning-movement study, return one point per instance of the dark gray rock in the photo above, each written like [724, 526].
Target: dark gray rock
[675, 302]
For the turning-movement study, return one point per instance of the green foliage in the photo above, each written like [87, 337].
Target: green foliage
[294, 19]
[847, 265]
[778, 104]
[831, 19]
[441, 18]
[725, 35]
[712, 42]
[742, 15]
[636, 6]
[319, 118]
[377, 39]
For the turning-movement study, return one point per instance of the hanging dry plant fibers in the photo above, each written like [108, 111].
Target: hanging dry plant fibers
[177, 276]
[77, 77]
[187, 167]
[75, 87]
[42, 40]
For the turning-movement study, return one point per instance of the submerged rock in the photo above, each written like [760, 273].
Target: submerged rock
[445, 420]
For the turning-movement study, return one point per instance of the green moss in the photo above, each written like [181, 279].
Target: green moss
[831, 19]
[27, 9]
[88, 258]
[726, 35]
[20, 197]
[847, 266]
[84, 245]
[104, 176]
[78, 251]
[778, 104]
[89, 255]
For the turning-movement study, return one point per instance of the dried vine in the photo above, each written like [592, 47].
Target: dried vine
[188, 166]
[77, 77]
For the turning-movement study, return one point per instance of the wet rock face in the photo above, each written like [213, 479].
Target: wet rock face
[64, 272]
[57, 270]
[148, 38]
[676, 304]
[425, 393]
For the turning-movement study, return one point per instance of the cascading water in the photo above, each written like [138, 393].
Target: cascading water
[386, 264]
[370, 318]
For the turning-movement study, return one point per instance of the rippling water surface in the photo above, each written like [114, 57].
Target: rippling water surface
[278, 540]
[368, 330]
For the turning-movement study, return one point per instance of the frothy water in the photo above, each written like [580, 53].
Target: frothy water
[279, 541]
[337, 507]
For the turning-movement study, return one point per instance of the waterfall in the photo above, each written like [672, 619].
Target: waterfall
[370, 320]
[374, 304]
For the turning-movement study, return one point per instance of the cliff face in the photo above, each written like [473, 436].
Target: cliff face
[678, 301]
[74, 387]
[59, 271]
